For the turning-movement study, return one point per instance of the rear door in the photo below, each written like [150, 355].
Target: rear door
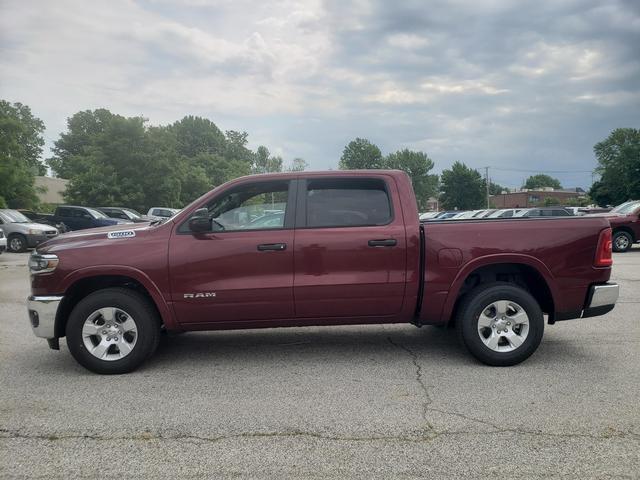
[244, 271]
[350, 247]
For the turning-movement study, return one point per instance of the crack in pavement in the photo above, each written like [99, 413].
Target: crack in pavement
[428, 400]
[7, 434]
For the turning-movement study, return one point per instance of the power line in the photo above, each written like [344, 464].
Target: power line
[538, 171]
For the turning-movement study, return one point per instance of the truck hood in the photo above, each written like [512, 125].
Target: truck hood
[113, 234]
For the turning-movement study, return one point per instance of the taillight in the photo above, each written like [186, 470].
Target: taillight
[603, 252]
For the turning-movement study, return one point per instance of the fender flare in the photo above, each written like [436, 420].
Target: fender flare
[498, 258]
[163, 307]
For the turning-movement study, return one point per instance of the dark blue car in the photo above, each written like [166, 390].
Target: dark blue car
[79, 218]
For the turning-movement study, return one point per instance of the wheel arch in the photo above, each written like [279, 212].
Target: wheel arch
[521, 270]
[86, 281]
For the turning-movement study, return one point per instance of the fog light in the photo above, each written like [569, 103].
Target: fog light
[35, 319]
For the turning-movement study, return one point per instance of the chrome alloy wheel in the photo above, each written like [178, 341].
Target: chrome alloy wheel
[622, 242]
[109, 333]
[503, 326]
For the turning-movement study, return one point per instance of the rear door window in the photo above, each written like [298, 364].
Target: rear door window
[347, 202]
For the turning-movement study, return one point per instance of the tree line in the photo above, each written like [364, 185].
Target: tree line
[110, 159]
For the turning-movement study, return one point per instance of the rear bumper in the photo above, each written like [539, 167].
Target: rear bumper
[42, 315]
[601, 299]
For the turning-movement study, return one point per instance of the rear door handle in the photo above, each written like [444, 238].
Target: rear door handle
[387, 242]
[278, 247]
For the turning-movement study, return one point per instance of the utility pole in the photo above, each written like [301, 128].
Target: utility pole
[486, 178]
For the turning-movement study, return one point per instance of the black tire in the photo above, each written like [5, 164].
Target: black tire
[622, 241]
[17, 243]
[137, 306]
[475, 303]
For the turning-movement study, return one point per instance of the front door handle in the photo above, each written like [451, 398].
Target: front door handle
[387, 242]
[278, 247]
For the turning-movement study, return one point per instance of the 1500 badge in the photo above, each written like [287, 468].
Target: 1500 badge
[121, 234]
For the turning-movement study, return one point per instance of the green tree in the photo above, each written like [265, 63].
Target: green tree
[113, 160]
[417, 165]
[462, 188]
[21, 144]
[298, 165]
[540, 181]
[619, 167]
[495, 189]
[265, 163]
[361, 154]
[551, 202]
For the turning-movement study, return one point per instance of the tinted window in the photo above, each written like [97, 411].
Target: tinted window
[347, 203]
[64, 212]
[533, 213]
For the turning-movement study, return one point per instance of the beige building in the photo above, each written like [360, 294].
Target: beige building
[50, 189]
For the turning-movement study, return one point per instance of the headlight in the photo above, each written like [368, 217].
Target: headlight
[35, 232]
[42, 263]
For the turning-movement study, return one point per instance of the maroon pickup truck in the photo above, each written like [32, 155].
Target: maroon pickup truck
[330, 248]
[625, 222]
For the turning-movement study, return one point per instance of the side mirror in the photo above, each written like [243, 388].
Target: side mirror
[200, 221]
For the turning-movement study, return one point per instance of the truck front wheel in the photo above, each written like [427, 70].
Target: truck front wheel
[500, 324]
[113, 331]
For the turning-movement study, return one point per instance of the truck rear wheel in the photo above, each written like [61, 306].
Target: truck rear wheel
[621, 241]
[500, 324]
[113, 331]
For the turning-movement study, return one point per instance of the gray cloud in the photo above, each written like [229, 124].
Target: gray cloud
[516, 85]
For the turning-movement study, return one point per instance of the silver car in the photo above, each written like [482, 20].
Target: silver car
[21, 233]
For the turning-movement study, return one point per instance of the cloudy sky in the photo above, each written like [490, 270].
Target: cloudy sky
[517, 85]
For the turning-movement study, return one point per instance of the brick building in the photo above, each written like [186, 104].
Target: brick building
[535, 198]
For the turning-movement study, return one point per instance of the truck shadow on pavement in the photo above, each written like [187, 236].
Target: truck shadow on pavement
[430, 345]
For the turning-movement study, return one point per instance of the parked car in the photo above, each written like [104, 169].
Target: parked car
[162, 212]
[428, 215]
[444, 215]
[126, 214]
[80, 218]
[504, 213]
[3, 242]
[544, 212]
[625, 221]
[21, 233]
[45, 218]
[360, 256]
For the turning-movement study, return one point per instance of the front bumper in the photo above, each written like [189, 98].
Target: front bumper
[42, 315]
[601, 299]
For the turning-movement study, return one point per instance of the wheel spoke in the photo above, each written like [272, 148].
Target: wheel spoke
[501, 307]
[520, 318]
[124, 347]
[129, 325]
[101, 349]
[492, 341]
[89, 329]
[107, 313]
[484, 321]
[514, 340]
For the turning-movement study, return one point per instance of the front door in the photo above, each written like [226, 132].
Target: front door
[242, 269]
[350, 254]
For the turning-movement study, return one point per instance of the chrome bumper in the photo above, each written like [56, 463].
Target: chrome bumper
[42, 315]
[602, 299]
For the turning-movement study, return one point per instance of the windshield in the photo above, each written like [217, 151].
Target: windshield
[96, 213]
[13, 216]
[132, 212]
[626, 207]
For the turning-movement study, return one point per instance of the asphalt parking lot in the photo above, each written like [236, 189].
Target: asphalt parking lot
[338, 402]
